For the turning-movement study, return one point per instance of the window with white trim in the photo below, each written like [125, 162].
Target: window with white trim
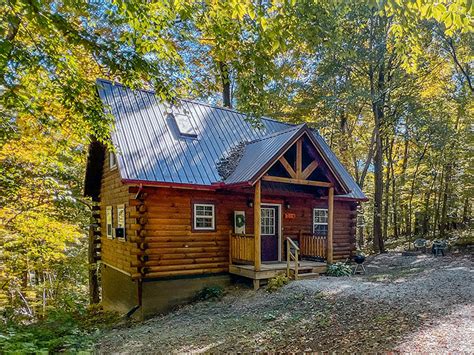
[204, 216]
[112, 160]
[120, 222]
[320, 221]
[108, 221]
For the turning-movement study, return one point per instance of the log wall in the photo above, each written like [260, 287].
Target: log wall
[170, 247]
[160, 239]
[115, 252]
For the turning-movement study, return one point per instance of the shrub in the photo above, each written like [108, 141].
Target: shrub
[60, 331]
[210, 293]
[339, 269]
[277, 282]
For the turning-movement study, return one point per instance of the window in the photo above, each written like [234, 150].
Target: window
[112, 160]
[120, 231]
[204, 217]
[267, 221]
[185, 127]
[108, 221]
[320, 221]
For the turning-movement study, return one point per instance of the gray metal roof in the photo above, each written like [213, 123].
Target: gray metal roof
[151, 149]
[259, 152]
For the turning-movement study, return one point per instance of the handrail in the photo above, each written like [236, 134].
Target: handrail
[289, 256]
[293, 244]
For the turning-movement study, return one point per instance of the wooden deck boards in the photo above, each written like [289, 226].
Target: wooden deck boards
[269, 270]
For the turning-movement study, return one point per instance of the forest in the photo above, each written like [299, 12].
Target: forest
[387, 83]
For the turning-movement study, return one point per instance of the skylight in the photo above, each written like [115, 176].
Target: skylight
[183, 122]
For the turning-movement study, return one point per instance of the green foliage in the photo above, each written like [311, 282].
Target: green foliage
[59, 331]
[277, 282]
[339, 269]
[210, 293]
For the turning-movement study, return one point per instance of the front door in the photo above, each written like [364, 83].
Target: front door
[269, 232]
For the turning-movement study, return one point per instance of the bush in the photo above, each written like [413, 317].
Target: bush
[277, 282]
[339, 269]
[59, 332]
[210, 293]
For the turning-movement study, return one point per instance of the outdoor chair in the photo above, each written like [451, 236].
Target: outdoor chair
[420, 244]
[439, 247]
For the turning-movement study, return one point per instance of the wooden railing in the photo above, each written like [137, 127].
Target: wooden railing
[292, 251]
[241, 248]
[312, 245]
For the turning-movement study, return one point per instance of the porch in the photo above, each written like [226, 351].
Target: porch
[296, 162]
[305, 257]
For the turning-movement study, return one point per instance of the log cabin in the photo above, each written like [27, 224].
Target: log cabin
[193, 195]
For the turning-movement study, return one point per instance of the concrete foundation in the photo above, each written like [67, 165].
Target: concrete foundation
[162, 295]
[120, 293]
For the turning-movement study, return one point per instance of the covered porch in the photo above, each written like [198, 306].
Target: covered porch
[302, 254]
[291, 160]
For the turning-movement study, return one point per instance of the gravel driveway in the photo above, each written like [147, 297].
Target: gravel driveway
[404, 303]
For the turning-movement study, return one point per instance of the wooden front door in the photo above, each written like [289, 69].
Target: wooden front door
[269, 232]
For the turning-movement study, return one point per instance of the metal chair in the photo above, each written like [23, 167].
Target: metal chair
[439, 247]
[420, 244]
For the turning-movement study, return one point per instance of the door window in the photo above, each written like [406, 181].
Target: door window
[267, 221]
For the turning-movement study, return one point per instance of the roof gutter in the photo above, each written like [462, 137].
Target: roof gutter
[233, 185]
[172, 185]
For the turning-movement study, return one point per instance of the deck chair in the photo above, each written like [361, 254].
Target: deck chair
[439, 247]
[420, 244]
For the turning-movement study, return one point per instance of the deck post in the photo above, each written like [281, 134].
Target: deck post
[330, 224]
[256, 226]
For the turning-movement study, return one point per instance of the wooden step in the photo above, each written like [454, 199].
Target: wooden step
[308, 275]
[302, 268]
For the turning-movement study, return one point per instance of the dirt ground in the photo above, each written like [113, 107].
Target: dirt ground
[404, 303]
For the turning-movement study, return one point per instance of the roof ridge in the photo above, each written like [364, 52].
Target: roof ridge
[275, 134]
[116, 83]
[235, 111]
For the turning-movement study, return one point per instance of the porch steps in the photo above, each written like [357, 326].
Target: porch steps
[308, 272]
[308, 275]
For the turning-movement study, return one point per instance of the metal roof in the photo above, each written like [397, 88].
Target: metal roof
[259, 152]
[151, 149]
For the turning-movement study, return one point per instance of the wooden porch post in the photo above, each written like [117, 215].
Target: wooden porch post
[256, 226]
[330, 224]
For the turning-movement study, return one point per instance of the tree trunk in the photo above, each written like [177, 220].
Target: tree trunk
[378, 177]
[396, 231]
[438, 204]
[403, 207]
[225, 79]
[93, 272]
[444, 208]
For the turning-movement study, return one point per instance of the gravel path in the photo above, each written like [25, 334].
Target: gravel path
[404, 303]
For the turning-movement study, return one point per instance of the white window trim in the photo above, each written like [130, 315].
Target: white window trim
[109, 219]
[319, 223]
[113, 165]
[213, 217]
[119, 207]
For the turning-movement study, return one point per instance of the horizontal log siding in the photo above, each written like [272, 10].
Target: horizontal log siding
[173, 248]
[113, 251]
[344, 222]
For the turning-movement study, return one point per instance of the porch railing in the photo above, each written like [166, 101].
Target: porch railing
[312, 245]
[241, 248]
